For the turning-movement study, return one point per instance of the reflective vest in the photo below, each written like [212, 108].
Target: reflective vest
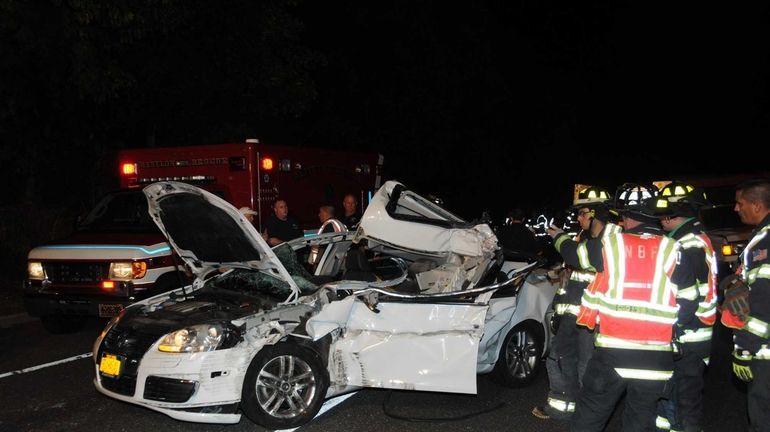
[634, 297]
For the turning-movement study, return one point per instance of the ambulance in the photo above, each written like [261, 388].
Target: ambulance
[117, 256]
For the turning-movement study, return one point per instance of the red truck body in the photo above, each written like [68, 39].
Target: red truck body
[255, 175]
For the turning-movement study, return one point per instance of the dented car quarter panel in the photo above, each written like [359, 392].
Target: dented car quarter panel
[409, 346]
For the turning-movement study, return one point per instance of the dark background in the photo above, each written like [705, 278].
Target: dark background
[488, 104]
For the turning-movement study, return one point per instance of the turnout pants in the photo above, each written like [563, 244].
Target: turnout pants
[758, 396]
[566, 362]
[684, 408]
[603, 387]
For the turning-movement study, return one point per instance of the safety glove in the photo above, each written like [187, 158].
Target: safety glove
[742, 365]
[736, 296]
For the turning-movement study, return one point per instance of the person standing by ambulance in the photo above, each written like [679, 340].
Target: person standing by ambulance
[746, 307]
[281, 227]
[678, 205]
[634, 301]
[572, 345]
[351, 217]
[328, 222]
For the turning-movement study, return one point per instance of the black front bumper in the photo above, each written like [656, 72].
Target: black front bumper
[40, 302]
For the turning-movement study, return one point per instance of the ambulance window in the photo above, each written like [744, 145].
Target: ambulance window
[120, 211]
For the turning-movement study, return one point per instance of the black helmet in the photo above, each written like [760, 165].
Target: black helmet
[680, 199]
[637, 201]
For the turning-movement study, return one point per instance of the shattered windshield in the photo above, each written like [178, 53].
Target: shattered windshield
[246, 280]
[120, 212]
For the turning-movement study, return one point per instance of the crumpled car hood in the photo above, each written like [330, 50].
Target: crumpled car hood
[208, 233]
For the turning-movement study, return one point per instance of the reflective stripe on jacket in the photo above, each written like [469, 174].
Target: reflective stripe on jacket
[753, 335]
[705, 290]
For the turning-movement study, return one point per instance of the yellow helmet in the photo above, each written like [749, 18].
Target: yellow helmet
[591, 195]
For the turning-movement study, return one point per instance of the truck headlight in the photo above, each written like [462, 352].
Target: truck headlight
[35, 270]
[127, 270]
[197, 338]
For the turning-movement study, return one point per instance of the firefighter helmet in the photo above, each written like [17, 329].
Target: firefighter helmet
[633, 199]
[680, 199]
[590, 196]
[597, 200]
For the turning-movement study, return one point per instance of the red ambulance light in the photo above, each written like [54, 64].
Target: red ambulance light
[267, 164]
[108, 285]
[127, 168]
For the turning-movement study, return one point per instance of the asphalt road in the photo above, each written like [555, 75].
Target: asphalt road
[61, 396]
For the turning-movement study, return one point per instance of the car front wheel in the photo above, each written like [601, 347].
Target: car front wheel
[284, 387]
[519, 360]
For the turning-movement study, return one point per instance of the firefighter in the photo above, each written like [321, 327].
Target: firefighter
[678, 205]
[572, 346]
[746, 307]
[634, 300]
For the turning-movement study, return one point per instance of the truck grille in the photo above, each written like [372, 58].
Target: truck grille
[76, 272]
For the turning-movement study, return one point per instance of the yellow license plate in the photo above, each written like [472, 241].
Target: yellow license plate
[110, 365]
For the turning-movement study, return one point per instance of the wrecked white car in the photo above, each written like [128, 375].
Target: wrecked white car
[415, 299]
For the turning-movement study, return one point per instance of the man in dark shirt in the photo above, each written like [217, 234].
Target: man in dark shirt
[352, 217]
[281, 227]
[515, 236]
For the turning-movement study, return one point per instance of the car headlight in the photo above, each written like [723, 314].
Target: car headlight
[127, 270]
[35, 270]
[198, 338]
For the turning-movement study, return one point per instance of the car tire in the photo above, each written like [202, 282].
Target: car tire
[62, 324]
[520, 356]
[284, 387]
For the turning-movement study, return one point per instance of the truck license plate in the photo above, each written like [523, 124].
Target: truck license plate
[110, 365]
[109, 310]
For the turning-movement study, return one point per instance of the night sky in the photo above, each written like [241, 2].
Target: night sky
[489, 104]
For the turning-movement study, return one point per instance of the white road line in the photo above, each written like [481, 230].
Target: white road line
[331, 403]
[53, 363]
